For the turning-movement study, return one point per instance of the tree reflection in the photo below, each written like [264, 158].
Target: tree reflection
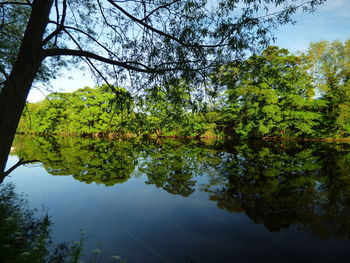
[276, 184]
[173, 165]
[88, 160]
[169, 167]
[289, 185]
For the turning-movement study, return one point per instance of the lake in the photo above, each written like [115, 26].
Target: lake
[192, 201]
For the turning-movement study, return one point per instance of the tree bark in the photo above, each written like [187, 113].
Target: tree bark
[17, 86]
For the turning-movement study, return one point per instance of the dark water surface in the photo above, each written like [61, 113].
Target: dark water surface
[177, 201]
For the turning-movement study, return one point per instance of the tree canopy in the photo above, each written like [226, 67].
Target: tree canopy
[148, 36]
[271, 95]
[329, 65]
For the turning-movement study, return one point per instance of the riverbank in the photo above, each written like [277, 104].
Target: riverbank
[114, 135]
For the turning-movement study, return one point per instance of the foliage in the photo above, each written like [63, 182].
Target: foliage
[329, 65]
[270, 95]
[85, 111]
[164, 107]
[136, 38]
[14, 20]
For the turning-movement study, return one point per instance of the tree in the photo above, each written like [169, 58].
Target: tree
[164, 38]
[329, 65]
[92, 110]
[85, 111]
[271, 95]
[164, 107]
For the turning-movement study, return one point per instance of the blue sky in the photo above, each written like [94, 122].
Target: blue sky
[329, 22]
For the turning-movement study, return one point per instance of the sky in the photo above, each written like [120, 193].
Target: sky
[330, 22]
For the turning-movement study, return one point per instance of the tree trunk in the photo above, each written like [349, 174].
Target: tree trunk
[15, 91]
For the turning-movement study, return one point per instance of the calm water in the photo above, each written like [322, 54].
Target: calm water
[177, 201]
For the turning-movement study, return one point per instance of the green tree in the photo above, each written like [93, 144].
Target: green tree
[164, 107]
[53, 114]
[162, 38]
[329, 65]
[90, 111]
[85, 111]
[270, 95]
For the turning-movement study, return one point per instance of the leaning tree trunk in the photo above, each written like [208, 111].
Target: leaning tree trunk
[17, 86]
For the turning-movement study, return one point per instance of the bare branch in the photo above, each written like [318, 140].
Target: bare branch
[11, 169]
[59, 27]
[64, 12]
[86, 54]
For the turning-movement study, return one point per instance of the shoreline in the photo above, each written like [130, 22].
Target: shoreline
[113, 135]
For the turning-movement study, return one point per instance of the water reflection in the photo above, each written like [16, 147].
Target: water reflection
[284, 185]
[87, 160]
[275, 184]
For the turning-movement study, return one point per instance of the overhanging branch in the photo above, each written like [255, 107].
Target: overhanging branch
[87, 54]
[11, 169]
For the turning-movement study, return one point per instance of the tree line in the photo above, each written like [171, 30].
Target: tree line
[271, 94]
